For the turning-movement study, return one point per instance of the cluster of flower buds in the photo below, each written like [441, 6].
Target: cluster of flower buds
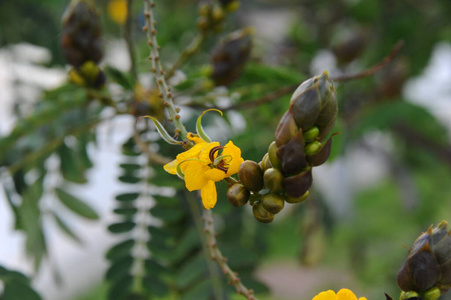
[81, 43]
[231, 55]
[212, 14]
[426, 273]
[285, 172]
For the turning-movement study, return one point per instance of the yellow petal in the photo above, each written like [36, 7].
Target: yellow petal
[205, 153]
[328, 295]
[171, 167]
[195, 139]
[215, 175]
[194, 152]
[345, 294]
[194, 175]
[236, 160]
[208, 194]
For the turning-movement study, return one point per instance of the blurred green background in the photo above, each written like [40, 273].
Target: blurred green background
[386, 182]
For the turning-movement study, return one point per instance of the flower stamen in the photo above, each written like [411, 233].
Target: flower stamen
[213, 151]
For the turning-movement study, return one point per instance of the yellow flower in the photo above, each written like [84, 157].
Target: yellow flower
[343, 294]
[202, 167]
[117, 10]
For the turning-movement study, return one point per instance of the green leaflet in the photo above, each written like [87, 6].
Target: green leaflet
[76, 205]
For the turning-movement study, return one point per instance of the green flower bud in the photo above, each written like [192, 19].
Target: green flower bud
[81, 39]
[231, 55]
[272, 156]
[292, 200]
[238, 195]
[273, 180]
[262, 214]
[251, 175]
[311, 134]
[408, 295]
[272, 203]
[265, 163]
[432, 294]
[297, 185]
[312, 148]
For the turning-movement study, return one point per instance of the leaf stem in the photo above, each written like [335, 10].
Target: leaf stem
[157, 69]
[216, 255]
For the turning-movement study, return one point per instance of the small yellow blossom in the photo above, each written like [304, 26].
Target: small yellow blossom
[202, 167]
[343, 294]
[117, 10]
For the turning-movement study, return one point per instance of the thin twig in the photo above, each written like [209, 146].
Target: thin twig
[288, 89]
[128, 26]
[375, 68]
[157, 69]
[192, 48]
[215, 253]
[265, 99]
[216, 283]
[152, 157]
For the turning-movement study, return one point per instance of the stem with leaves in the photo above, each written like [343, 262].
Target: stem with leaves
[157, 69]
[216, 255]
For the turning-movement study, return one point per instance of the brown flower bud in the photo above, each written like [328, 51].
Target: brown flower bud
[292, 200]
[272, 156]
[262, 214]
[272, 203]
[297, 185]
[231, 55]
[251, 175]
[81, 37]
[428, 264]
[238, 195]
[292, 155]
[273, 180]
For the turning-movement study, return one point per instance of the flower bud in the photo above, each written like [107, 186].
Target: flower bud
[312, 148]
[286, 129]
[272, 156]
[322, 154]
[81, 37]
[297, 185]
[314, 103]
[265, 163]
[273, 179]
[272, 203]
[311, 134]
[292, 155]
[238, 195]
[428, 265]
[251, 175]
[231, 55]
[292, 200]
[262, 214]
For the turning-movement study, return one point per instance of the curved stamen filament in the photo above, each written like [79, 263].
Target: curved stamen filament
[213, 150]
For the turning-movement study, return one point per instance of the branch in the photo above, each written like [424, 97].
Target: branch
[375, 68]
[192, 48]
[215, 253]
[129, 40]
[157, 69]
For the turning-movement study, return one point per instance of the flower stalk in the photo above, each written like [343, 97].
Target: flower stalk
[157, 68]
[217, 256]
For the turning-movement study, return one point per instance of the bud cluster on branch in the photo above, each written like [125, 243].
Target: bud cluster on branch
[285, 172]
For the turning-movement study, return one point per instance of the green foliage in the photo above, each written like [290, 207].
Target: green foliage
[16, 286]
